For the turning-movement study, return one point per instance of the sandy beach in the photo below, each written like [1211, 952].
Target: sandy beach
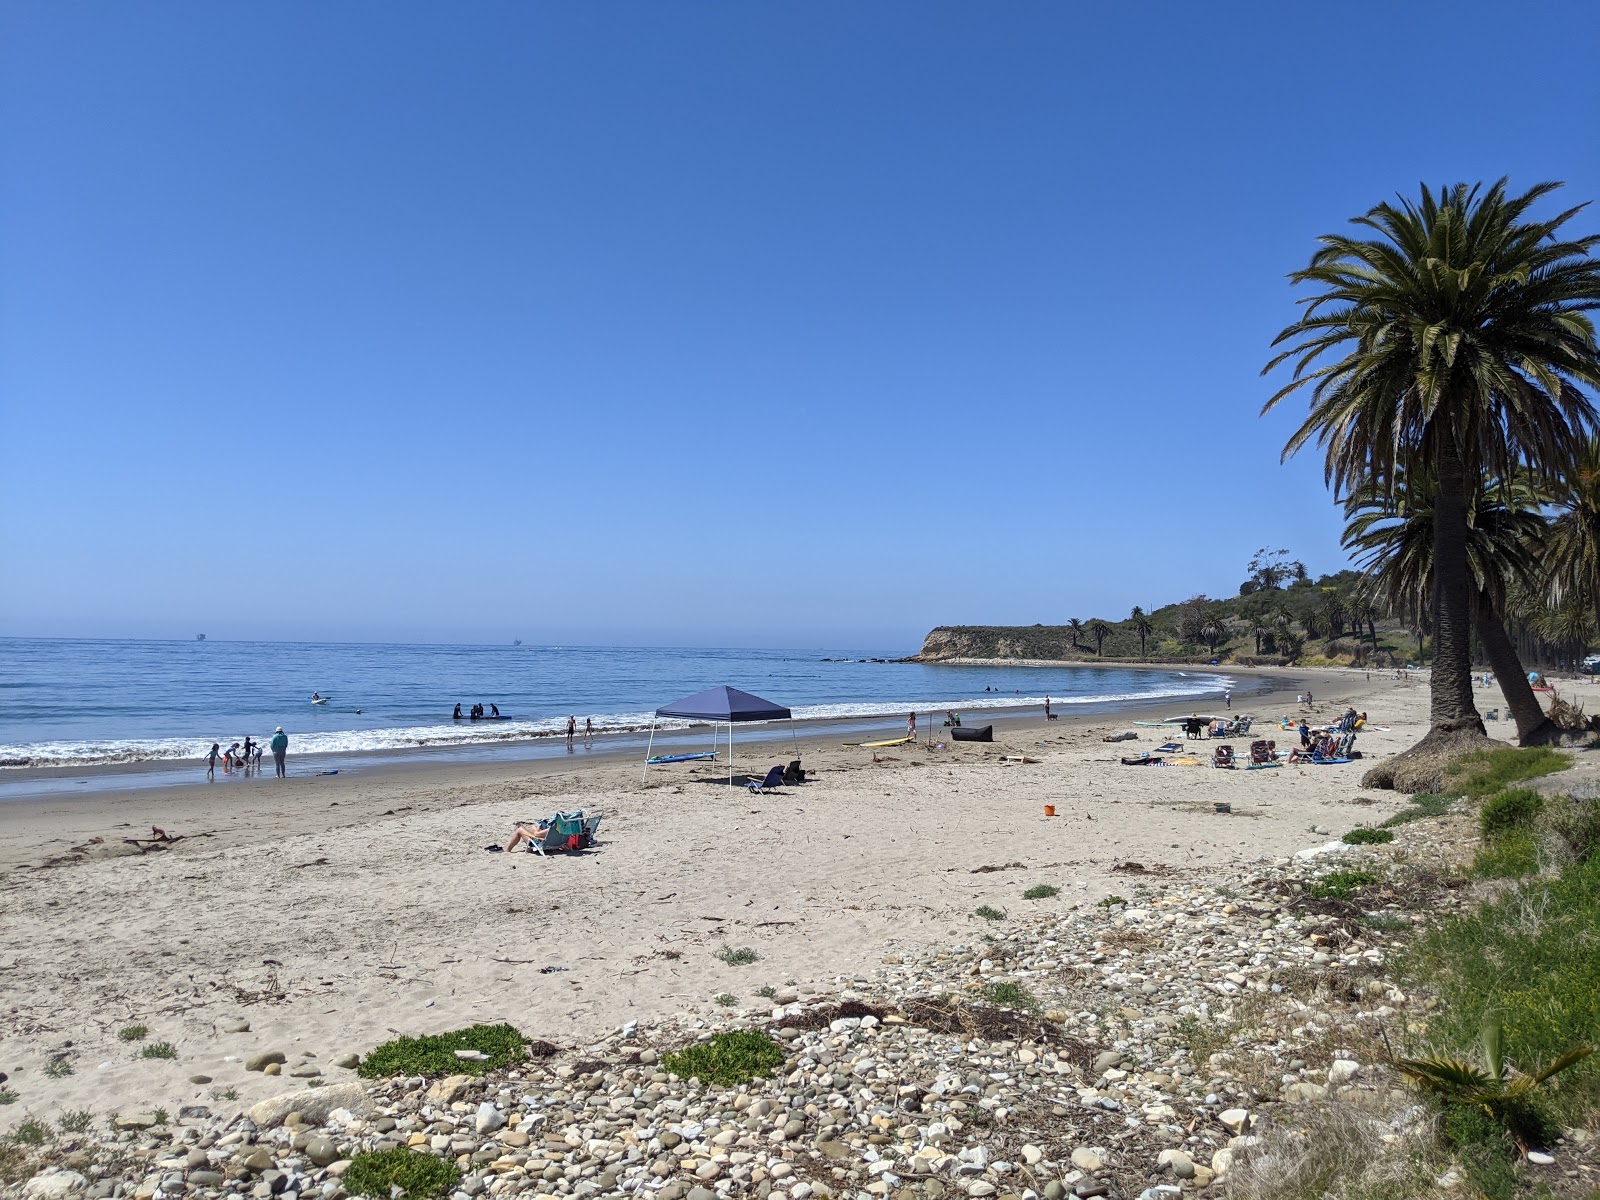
[332, 913]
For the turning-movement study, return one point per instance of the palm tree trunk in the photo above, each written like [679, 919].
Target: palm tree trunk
[1451, 691]
[1533, 727]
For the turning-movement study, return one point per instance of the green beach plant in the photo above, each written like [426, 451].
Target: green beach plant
[988, 913]
[732, 1057]
[420, 1176]
[1511, 1102]
[1366, 836]
[741, 957]
[158, 1050]
[133, 1033]
[1041, 891]
[435, 1054]
[1514, 808]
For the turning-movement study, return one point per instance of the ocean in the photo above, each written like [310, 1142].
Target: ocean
[74, 703]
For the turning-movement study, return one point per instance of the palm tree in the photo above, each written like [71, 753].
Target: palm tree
[1213, 630]
[1142, 625]
[1574, 546]
[1075, 627]
[1392, 537]
[1334, 612]
[1099, 630]
[1462, 345]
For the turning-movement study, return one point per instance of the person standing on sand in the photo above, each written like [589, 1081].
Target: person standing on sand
[911, 725]
[1227, 697]
[280, 747]
[211, 760]
[1047, 708]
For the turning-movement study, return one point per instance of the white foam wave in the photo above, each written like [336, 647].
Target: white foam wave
[80, 753]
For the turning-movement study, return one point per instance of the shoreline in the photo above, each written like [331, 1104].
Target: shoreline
[35, 782]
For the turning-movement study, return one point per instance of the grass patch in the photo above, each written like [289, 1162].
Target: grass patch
[741, 957]
[767, 992]
[77, 1121]
[1509, 856]
[1012, 995]
[159, 1050]
[419, 1175]
[1514, 808]
[1532, 955]
[1423, 804]
[32, 1132]
[1202, 1038]
[1384, 923]
[1340, 885]
[160, 1116]
[227, 1093]
[58, 1067]
[133, 1033]
[736, 1056]
[1485, 772]
[7, 1096]
[1041, 891]
[435, 1054]
[727, 1000]
[988, 913]
[1112, 901]
[1367, 837]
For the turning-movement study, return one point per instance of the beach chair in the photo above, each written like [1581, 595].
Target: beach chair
[591, 829]
[564, 833]
[794, 773]
[773, 780]
[1259, 752]
[1222, 756]
[1244, 724]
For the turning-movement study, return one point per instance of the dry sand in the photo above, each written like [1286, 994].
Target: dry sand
[332, 913]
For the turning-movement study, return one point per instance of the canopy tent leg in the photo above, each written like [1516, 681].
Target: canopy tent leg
[647, 750]
[730, 753]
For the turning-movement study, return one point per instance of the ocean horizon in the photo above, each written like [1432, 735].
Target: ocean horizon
[92, 702]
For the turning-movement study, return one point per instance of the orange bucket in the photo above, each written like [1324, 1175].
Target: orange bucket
[1049, 810]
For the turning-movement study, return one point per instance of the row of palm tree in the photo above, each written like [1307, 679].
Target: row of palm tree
[1447, 351]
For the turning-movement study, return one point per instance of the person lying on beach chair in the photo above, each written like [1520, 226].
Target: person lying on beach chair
[533, 831]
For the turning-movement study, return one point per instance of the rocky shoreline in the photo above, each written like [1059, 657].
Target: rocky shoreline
[1133, 1049]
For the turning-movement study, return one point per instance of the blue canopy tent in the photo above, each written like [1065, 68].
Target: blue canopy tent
[720, 706]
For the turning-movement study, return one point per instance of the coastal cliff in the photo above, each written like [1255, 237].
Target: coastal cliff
[949, 642]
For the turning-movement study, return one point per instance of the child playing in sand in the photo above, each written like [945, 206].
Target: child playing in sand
[211, 760]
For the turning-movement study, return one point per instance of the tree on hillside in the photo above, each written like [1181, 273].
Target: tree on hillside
[1392, 538]
[1459, 324]
[1099, 631]
[1333, 611]
[1270, 570]
[1142, 625]
[1075, 628]
[1213, 630]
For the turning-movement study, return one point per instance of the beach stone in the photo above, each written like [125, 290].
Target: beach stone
[267, 1058]
[1222, 1160]
[348, 1062]
[55, 1183]
[700, 1193]
[313, 1104]
[1540, 1158]
[1342, 1070]
[234, 1025]
[448, 1090]
[259, 1158]
[1235, 1120]
[206, 1178]
[1055, 1190]
[199, 1079]
[1086, 1159]
[305, 1071]
[136, 1121]
[489, 1118]
[322, 1151]
[1105, 1061]
[708, 1170]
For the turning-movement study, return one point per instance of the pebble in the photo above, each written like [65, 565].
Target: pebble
[1540, 1158]
[234, 1025]
[258, 1062]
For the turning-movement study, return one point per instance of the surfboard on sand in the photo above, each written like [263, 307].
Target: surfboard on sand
[875, 745]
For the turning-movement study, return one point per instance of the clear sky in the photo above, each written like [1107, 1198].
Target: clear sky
[778, 323]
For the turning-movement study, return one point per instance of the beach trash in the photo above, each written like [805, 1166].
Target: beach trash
[1223, 806]
[1049, 810]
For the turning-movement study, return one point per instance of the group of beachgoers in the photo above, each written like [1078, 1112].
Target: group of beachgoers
[477, 713]
[244, 757]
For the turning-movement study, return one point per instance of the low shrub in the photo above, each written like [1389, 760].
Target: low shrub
[1041, 891]
[420, 1175]
[435, 1054]
[133, 1033]
[1485, 772]
[727, 1000]
[1511, 855]
[741, 957]
[988, 913]
[32, 1132]
[1514, 808]
[58, 1067]
[735, 1056]
[1423, 804]
[1340, 885]
[159, 1050]
[1367, 837]
[7, 1096]
[76, 1121]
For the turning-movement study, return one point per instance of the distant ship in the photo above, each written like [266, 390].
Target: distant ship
[199, 637]
[514, 641]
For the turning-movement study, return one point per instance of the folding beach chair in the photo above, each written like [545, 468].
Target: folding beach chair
[771, 782]
[564, 833]
[1222, 756]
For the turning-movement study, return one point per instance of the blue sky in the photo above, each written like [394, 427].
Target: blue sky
[787, 324]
